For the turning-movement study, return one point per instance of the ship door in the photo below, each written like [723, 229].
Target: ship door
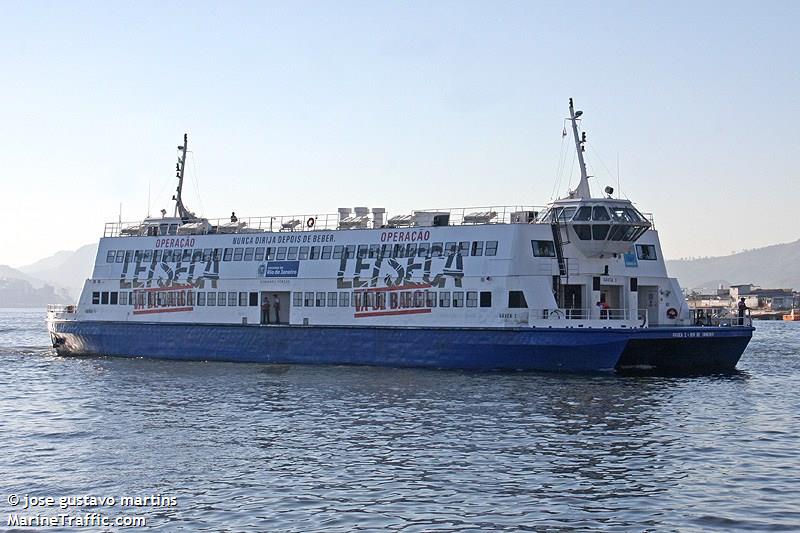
[648, 300]
[274, 306]
[572, 298]
[611, 296]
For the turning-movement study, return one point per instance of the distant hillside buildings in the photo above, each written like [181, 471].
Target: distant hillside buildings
[722, 301]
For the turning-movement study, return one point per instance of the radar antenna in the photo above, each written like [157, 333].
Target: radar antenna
[180, 167]
[582, 191]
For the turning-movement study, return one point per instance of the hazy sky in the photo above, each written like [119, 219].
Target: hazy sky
[303, 107]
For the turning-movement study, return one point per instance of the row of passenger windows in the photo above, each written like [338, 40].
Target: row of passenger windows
[280, 253]
[154, 299]
[393, 300]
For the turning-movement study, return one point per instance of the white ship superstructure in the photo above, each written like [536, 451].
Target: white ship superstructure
[579, 263]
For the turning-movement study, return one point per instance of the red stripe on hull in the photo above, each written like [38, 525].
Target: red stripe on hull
[391, 313]
[165, 310]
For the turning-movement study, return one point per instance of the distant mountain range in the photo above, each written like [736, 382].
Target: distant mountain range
[17, 289]
[66, 269]
[774, 267]
[59, 278]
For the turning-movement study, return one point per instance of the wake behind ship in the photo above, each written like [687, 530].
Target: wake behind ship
[579, 285]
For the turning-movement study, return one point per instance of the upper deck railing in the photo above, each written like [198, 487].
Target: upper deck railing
[459, 216]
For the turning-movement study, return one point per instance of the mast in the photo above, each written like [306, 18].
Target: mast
[582, 191]
[180, 167]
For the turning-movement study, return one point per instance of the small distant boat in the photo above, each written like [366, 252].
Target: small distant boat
[793, 315]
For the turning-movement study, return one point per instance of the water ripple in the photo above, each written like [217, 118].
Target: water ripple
[294, 448]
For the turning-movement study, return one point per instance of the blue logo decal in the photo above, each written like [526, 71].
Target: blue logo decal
[281, 269]
[630, 259]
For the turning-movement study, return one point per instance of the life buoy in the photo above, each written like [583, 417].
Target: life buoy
[310, 222]
[672, 313]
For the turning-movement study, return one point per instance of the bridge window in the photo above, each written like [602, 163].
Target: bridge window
[436, 249]
[248, 253]
[463, 248]
[337, 251]
[450, 248]
[104, 298]
[477, 248]
[350, 251]
[269, 253]
[600, 231]
[114, 298]
[599, 213]
[583, 214]
[411, 249]
[211, 299]
[281, 255]
[228, 255]
[344, 299]
[543, 248]
[297, 299]
[303, 252]
[123, 298]
[326, 252]
[201, 298]
[308, 299]
[491, 248]
[583, 231]
[238, 253]
[157, 256]
[120, 256]
[207, 254]
[314, 252]
[423, 249]
[187, 255]
[332, 299]
[110, 256]
[399, 250]
[259, 253]
[222, 298]
[363, 249]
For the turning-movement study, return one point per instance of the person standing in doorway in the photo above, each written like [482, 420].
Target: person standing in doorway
[276, 304]
[265, 310]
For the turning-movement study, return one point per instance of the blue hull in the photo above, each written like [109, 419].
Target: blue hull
[454, 348]
[660, 350]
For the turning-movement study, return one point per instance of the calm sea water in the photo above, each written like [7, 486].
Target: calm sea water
[292, 448]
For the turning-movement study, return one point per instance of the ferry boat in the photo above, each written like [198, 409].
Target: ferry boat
[578, 285]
